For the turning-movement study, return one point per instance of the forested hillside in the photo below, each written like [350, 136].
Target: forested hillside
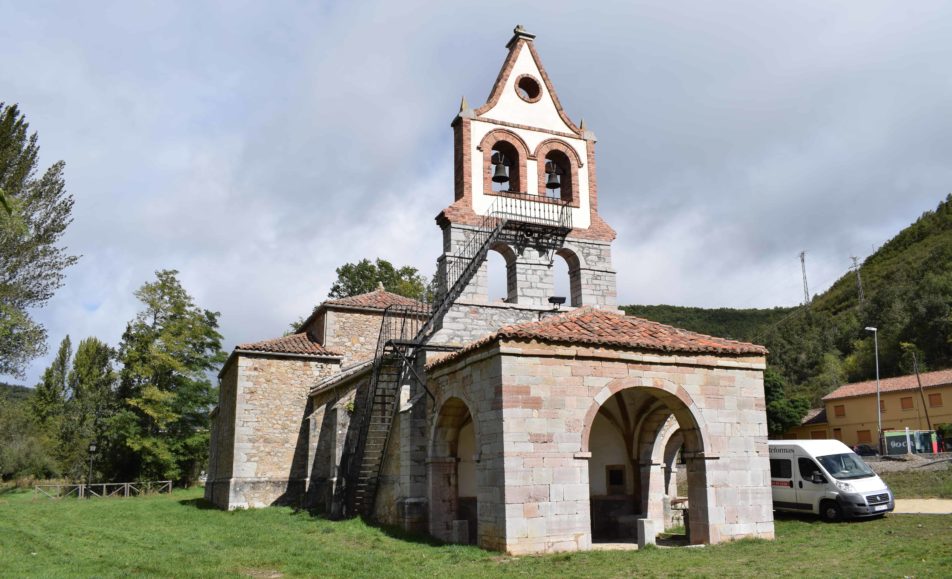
[907, 287]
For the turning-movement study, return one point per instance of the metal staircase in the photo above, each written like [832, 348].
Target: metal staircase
[406, 331]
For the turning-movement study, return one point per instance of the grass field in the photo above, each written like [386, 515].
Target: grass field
[917, 483]
[178, 536]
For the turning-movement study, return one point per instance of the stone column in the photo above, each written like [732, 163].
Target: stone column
[443, 496]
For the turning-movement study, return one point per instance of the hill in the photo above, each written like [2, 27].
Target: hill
[907, 296]
[14, 392]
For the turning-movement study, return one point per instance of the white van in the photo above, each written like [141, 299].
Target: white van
[826, 478]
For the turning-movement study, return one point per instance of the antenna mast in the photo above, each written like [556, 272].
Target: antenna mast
[806, 288]
[859, 279]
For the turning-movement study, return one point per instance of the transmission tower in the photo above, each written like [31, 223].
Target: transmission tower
[806, 288]
[859, 279]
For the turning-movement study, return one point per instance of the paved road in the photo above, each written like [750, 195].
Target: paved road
[924, 506]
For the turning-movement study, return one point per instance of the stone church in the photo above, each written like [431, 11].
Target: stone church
[524, 425]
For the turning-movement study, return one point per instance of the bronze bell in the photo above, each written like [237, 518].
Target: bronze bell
[500, 172]
[553, 181]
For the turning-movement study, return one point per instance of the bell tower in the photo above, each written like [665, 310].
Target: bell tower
[521, 149]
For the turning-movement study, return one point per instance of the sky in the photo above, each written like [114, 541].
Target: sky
[255, 147]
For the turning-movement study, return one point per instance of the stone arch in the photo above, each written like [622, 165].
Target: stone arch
[453, 517]
[655, 406]
[665, 390]
[513, 143]
[568, 159]
[574, 263]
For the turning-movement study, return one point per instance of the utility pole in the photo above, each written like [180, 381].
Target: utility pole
[806, 288]
[922, 395]
[859, 279]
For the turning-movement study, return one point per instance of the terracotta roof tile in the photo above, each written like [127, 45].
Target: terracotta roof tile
[814, 416]
[301, 344]
[591, 327]
[378, 299]
[909, 382]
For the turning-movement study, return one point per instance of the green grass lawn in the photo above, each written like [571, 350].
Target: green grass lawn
[922, 484]
[178, 536]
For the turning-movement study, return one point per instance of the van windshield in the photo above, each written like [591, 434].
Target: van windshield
[845, 466]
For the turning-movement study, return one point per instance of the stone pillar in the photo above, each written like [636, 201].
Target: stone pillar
[443, 497]
[654, 509]
[699, 515]
[533, 278]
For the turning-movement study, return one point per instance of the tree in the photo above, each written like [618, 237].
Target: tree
[31, 262]
[91, 384]
[365, 276]
[783, 411]
[167, 351]
[49, 398]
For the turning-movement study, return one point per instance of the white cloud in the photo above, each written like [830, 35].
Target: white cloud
[257, 147]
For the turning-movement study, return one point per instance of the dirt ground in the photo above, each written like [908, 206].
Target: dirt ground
[908, 462]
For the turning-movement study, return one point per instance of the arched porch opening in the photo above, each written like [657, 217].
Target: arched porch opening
[452, 467]
[628, 437]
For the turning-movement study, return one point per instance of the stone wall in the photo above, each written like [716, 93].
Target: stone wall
[530, 280]
[270, 430]
[536, 409]
[352, 333]
[222, 447]
[329, 423]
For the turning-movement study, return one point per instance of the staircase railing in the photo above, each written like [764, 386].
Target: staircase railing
[407, 329]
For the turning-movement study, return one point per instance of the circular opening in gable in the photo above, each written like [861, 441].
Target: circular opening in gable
[528, 88]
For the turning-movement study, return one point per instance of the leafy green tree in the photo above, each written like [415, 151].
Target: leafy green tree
[91, 384]
[167, 353]
[783, 411]
[24, 449]
[365, 276]
[31, 262]
[49, 399]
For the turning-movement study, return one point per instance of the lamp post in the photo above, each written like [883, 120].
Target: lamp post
[879, 408]
[92, 450]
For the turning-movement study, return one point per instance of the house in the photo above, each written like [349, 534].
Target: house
[849, 412]
[522, 425]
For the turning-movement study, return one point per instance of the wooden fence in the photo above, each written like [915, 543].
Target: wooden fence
[100, 490]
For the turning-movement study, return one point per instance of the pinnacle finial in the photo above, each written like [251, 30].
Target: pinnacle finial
[581, 124]
[463, 105]
[517, 33]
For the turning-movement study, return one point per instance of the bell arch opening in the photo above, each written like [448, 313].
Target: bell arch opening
[628, 437]
[453, 474]
[568, 276]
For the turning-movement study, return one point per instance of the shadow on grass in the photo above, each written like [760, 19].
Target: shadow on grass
[200, 504]
[392, 531]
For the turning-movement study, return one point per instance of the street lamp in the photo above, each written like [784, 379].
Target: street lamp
[92, 450]
[879, 408]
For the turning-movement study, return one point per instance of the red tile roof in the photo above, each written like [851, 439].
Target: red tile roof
[814, 416]
[591, 327]
[300, 344]
[378, 299]
[938, 378]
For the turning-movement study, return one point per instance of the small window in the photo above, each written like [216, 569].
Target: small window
[906, 403]
[615, 479]
[839, 410]
[817, 434]
[863, 436]
[882, 406]
[935, 399]
[781, 468]
[838, 433]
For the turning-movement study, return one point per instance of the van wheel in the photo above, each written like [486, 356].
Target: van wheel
[831, 512]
